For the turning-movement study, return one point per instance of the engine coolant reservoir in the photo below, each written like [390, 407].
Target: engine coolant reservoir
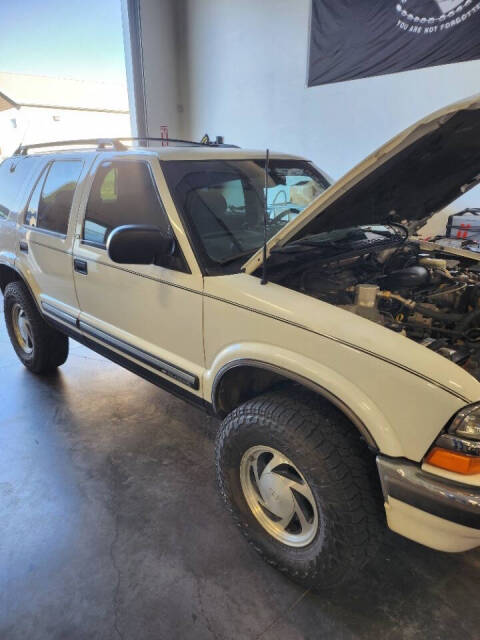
[366, 295]
[366, 302]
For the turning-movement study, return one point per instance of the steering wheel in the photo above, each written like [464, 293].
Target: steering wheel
[280, 215]
[212, 235]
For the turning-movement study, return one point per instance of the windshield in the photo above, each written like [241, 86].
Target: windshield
[222, 202]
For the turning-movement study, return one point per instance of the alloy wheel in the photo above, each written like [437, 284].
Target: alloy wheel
[22, 329]
[279, 496]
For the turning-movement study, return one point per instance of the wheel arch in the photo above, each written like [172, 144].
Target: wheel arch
[243, 379]
[8, 274]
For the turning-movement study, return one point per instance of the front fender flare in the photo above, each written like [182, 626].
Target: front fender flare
[352, 401]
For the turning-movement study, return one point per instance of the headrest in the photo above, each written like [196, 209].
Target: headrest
[213, 200]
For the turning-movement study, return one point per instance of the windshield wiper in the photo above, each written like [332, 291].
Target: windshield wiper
[400, 230]
[235, 257]
[309, 246]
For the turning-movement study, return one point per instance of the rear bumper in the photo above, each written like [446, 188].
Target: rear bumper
[434, 511]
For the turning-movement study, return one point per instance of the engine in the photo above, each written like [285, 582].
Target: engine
[428, 297]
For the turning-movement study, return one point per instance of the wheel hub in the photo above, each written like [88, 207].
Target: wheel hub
[279, 496]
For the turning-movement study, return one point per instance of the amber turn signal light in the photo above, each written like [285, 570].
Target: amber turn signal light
[453, 461]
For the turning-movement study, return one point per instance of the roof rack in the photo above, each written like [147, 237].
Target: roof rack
[104, 144]
[101, 143]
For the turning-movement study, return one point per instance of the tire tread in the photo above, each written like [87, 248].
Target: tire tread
[322, 428]
[50, 346]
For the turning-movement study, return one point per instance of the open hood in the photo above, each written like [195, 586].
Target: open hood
[414, 175]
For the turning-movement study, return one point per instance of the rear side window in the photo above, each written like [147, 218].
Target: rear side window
[122, 193]
[32, 209]
[13, 175]
[56, 196]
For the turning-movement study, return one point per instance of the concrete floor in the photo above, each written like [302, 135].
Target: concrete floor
[111, 527]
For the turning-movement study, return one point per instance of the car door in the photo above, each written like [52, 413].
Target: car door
[46, 236]
[148, 316]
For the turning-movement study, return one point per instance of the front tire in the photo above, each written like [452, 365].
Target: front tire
[301, 485]
[39, 347]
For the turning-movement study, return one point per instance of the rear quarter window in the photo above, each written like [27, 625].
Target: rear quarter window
[57, 195]
[14, 174]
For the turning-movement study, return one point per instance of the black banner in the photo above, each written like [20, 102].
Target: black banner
[360, 38]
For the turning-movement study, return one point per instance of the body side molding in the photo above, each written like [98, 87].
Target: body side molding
[163, 366]
[51, 310]
[128, 364]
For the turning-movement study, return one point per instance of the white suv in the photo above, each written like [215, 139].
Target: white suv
[343, 354]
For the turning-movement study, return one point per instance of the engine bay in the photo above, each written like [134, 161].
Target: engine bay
[430, 296]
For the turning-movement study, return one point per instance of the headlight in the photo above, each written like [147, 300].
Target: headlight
[459, 449]
[466, 423]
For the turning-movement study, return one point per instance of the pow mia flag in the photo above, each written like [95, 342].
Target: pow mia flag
[359, 38]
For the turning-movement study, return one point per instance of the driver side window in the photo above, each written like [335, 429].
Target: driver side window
[125, 193]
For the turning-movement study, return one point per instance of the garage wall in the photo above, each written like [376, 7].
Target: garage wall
[238, 69]
[152, 46]
[246, 80]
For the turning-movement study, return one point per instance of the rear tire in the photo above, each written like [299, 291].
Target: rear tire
[291, 452]
[39, 347]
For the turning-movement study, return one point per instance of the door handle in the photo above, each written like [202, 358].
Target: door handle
[23, 246]
[80, 266]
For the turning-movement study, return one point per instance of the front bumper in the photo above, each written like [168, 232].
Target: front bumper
[434, 511]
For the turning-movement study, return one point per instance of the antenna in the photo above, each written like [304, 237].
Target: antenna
[265, 220]
[24, 135]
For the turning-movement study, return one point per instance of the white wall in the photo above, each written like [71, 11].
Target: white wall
[246, 79]
[238, 69]
[158, 19]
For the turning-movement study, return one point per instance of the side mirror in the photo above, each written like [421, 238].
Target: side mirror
[138, 244]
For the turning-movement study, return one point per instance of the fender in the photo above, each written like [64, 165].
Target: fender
[7, 259]
[305, 382]
[357, 407]
[24, 279]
